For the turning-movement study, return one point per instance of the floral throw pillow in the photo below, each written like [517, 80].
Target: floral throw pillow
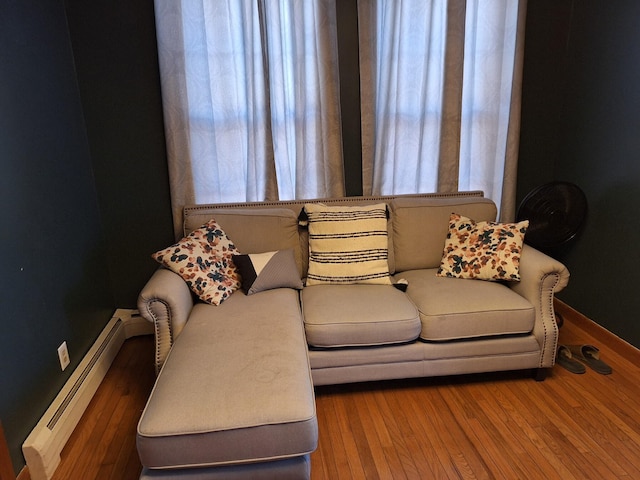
[482, 250]
[204, 260]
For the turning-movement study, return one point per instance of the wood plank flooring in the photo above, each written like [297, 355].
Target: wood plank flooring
[495, 426]
[103, 445]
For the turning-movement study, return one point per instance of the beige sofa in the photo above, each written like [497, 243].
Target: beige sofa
[234, 394]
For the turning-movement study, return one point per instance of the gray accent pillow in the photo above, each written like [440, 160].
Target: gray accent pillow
[269, 270]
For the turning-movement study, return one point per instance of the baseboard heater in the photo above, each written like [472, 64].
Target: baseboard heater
[42, 447]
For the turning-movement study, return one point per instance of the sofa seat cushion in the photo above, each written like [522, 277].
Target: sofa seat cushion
[236, 387]
[455, 308]
[358, 315]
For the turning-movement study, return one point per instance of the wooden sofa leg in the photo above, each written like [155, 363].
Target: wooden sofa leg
[539, 374]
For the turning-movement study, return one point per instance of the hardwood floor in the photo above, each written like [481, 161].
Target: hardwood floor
[103, 445]
[503, 425]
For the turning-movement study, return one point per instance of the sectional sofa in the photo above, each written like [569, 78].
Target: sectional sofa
[234, 396]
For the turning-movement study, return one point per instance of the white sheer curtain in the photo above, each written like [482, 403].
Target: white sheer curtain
[250, 97]
[441, 92]
[409, 81]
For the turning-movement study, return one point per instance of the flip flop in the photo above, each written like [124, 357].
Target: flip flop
[590, 356]
[565, 360]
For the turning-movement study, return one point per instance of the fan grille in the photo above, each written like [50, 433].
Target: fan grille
[556, 212]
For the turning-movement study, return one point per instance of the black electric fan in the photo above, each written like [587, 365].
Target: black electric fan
[556, 212]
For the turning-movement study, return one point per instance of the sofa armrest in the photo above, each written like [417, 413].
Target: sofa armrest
[166, 302]
[540, 277]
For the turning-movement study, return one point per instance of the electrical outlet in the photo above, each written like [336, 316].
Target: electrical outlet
[63, 355]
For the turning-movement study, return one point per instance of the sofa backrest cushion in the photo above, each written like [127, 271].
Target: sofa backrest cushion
[251, 233]
[420, 227]
[252, 230]
[192, 214]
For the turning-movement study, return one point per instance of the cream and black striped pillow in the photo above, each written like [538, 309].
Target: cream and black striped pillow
[347, 244]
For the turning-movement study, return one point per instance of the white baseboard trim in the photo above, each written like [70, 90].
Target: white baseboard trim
[42, 447]
[134, 323]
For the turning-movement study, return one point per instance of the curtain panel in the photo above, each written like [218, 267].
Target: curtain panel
[251, 100]
[441, 86]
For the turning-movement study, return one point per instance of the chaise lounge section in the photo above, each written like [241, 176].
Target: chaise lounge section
[235, 394]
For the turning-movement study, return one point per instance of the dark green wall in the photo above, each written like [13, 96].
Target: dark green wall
[53, 282]
[581, 123]
[348, 65]
[543, 91]
[115, 52]
[83, 186]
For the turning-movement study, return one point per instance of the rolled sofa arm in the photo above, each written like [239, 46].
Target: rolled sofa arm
[540, 278]
[166, 302]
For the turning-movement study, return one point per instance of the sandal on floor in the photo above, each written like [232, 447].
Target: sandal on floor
[590, 356]
[565, 360]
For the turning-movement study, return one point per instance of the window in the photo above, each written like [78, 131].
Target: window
[434, 120]
[251, 97]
